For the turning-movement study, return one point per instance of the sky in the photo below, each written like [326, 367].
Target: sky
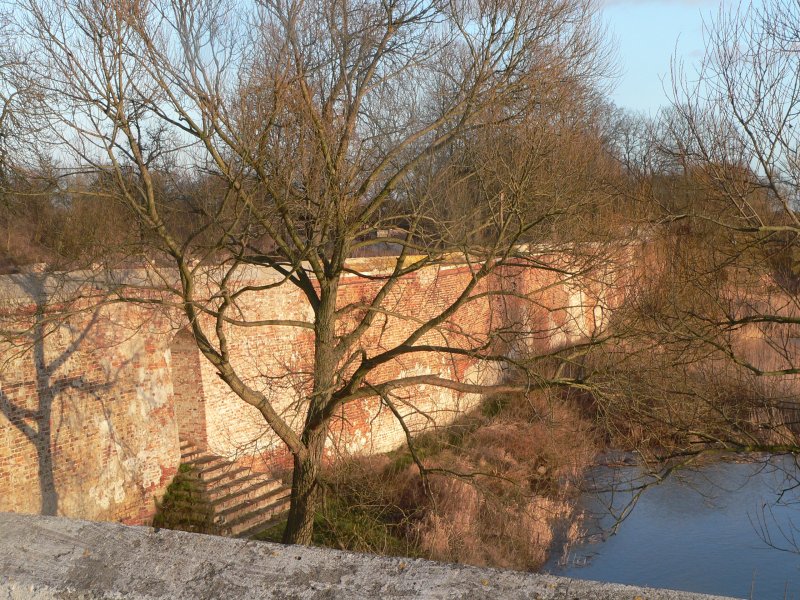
[648, 33]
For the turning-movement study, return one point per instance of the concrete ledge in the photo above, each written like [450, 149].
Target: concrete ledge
[50, 557]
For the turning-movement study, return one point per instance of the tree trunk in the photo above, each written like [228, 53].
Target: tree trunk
[305, 492]
[307, 468]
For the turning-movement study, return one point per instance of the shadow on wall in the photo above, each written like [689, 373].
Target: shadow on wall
[33, 417]
[187, 389]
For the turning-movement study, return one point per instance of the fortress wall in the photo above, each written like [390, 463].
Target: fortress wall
[280, 365]
[90, 418]
[87, 425]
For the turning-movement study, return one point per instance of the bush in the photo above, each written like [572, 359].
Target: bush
[184, 505]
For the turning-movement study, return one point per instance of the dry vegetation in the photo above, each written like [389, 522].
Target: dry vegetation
[688, 372]
[496, 486]
[316, 143]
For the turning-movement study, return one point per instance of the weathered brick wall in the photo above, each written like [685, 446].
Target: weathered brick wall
[87, 425]
[91, 416]
[279, 364]
[187, 388]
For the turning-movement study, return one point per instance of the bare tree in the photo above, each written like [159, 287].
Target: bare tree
[707, 354]
[738, 127]
[316, 124]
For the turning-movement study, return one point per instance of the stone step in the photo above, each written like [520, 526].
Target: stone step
[206, 462]
[254, 531]
[188, 449]
[252, 489]
[254, 518]
[256, 504]
[212, 469]
[240, 499]
[189, 456]
[214, 479]
[226, 488]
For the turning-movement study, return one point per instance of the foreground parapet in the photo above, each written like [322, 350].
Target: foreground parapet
[50, 557]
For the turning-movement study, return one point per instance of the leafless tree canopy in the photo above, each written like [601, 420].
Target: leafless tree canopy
[706, 357]
[202, 138]
[288, 133]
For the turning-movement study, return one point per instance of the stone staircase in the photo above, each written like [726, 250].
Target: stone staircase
[244, 503]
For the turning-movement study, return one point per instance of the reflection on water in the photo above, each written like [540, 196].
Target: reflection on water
[706, 530]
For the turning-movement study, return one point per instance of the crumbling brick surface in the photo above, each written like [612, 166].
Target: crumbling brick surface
[91, 413]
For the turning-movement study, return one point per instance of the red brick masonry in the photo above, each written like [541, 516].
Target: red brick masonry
[91, 413]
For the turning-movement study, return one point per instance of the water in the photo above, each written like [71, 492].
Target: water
[712, 531]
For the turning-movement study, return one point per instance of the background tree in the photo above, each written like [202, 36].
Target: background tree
[741, 142]
[706, 354]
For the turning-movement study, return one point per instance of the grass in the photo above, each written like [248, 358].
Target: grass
[272, 534]
[347, 527]
[184, 505]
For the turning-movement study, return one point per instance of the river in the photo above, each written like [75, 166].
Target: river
[706, 530]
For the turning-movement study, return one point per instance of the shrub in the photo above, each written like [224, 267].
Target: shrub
[184, 505]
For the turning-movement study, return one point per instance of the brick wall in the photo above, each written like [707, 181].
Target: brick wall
[91, 415]
[187, 388]
[87, 424]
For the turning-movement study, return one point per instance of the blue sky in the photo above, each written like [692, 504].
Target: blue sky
[648, 34]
